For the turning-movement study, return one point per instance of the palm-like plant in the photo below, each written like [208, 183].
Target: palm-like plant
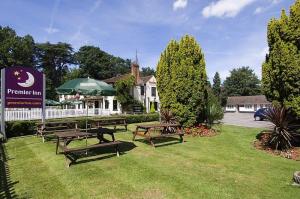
[285, 127]
[167, 117]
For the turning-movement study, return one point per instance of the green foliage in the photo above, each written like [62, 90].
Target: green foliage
[146, 71]
[217, 84]
[181, 80]
[281, 69]
[20, 128]
[98, 64]
[124, 92]
[53, 60]
[285, 127]
[15, 50]
[242, 82]
[214, 110]
[73, 73]
[152, 109]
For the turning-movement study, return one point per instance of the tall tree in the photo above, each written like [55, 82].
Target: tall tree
[242, 82]
[98, 64]
[281, 69]
[53, 60]
[146, 71]
[216, 84]
[15, 50]
[181, 78]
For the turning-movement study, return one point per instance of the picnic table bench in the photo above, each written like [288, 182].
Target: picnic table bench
[165, 130]
[96, 123]
[53, 127]
[65, 138]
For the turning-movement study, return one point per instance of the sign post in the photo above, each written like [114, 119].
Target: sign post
[21, 87]
[3, 103]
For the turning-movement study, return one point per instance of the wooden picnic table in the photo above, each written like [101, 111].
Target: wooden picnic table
[165, 130]
[65, 138]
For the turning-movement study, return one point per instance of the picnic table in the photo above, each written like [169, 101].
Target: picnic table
[164, 129]
[53, 127]
[63, 139]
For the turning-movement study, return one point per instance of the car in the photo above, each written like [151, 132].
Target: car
[260, 114]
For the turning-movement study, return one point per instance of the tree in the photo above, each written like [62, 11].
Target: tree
[214, 110]
[146, 71]
[123, 92]
[73, 73]
[98, 64]
[15, 50]
[242, 82]
[281, 69]
[181, 80]
[53, 60]
[217, 84]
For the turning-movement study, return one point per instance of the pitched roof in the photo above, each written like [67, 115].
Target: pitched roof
[256, 99]
[146, 78]
[116, 78]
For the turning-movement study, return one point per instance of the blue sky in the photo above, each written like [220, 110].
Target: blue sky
[231, 33]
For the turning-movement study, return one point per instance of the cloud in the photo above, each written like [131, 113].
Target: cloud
[51, 29]
[225, 8]
[179, 4]
[258, 10]
[275, 1]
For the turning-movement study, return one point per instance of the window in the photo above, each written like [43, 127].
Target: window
[230, 106]
[142, 90]
[248, 106]
[153, 91]
[115, 105]
[106, 104]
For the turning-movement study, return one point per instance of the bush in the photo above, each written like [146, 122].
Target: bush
[286, 128]
[213, 110]
[21, 128]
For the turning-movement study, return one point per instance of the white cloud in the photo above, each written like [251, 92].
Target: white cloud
[225, 8]
[275, 1]
[51, 30]
[258, 10]
[179, 4]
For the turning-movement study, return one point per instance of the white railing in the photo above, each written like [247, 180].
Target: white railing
[33, 114]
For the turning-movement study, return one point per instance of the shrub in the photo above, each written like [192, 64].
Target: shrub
[213, 110]
[20, 128]
[286, 127]
[152, 109]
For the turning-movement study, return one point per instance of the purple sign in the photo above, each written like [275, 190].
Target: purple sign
[23, 88]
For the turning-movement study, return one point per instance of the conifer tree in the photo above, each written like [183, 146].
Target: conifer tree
[217, 84]
[181, 79]
[281, 69]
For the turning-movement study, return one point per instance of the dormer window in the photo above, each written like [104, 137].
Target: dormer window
[153, 91]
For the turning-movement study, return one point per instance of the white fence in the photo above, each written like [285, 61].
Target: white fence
[33, 114]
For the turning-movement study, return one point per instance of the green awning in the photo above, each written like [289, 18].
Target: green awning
[86, 86]
[70, 102]
[50, 102]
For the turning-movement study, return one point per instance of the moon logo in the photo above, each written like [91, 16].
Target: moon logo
[29, 82]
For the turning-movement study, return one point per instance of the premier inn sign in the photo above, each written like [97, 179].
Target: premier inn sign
[23, 88]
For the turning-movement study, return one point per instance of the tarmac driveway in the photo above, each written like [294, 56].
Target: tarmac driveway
[244, 119]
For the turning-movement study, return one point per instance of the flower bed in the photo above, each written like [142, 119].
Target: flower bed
[201, 130]
[261, 144]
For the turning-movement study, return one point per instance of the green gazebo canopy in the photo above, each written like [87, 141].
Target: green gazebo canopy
[86, 86]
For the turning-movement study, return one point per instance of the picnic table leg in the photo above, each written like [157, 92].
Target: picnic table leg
[117, 150]
[57, 143]
[179, 130]
[149, 138]
[135, 133]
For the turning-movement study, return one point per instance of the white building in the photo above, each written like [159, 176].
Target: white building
[246, 103]
[144, 90]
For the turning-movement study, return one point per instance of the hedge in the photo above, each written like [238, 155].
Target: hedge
[21, 128]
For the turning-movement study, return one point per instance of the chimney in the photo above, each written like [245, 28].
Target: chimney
[135, 69]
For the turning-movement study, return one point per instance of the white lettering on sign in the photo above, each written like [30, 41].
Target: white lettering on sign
[23, 92]
[88, 84]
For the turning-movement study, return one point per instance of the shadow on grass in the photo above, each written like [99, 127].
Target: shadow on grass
[100, 153]
[161, 142]
[6, 184]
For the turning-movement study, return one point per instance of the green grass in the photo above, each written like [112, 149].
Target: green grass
[224, 166]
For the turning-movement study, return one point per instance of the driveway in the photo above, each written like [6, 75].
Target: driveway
[244, 119]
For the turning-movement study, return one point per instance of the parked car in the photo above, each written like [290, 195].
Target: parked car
[260, 114]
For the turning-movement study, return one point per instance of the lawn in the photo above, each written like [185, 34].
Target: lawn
[224, 166]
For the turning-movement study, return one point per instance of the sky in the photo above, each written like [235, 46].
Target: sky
[231, 33]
